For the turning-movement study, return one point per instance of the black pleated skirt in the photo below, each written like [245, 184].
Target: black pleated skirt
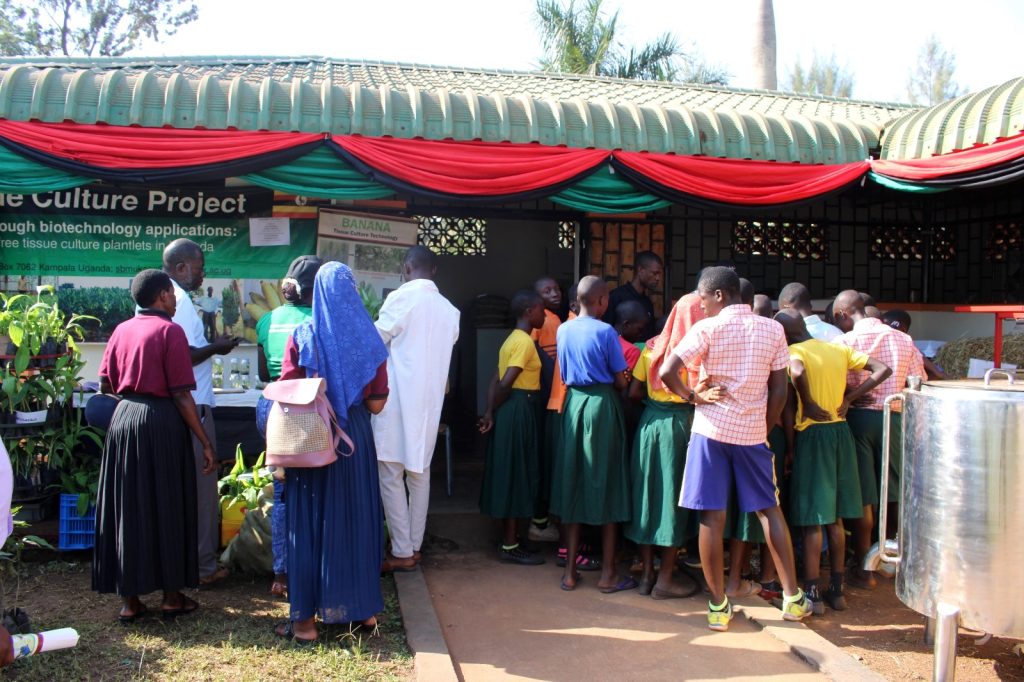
[146, 532]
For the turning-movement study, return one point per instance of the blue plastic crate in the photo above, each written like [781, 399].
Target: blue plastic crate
[76, 532]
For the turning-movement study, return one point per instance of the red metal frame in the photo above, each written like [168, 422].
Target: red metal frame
[1002, 312]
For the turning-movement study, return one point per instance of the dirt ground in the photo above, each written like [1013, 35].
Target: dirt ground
[229, 638]
[888, 637]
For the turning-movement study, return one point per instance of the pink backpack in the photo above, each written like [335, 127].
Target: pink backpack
[302, 429]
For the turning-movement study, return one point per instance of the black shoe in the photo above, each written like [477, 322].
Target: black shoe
[516, 555]
[833, 596]
[817, 606]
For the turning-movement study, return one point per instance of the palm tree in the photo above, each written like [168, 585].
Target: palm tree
[765, 72]
[580, 39]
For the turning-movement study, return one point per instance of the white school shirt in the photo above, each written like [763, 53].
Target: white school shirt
[186, 317]
[419, 326]
[822, 330]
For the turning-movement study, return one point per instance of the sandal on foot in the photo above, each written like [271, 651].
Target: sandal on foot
[622, 586]
[285, 630]
[279, 589]
[569, 588]
[747, 588]
[129, 618]
[214, 578]
[187, 607]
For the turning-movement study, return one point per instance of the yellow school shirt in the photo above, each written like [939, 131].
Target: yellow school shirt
[640, 372]
[520, 351]
[825, 365]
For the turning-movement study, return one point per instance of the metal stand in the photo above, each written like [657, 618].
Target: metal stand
[929, 631]
[947, 622]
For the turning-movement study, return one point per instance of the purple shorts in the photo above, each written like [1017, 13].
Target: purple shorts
[712, 467]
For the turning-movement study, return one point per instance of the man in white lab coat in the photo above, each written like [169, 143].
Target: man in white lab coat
[419, 326]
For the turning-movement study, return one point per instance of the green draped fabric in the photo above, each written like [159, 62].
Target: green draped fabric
[19, 175]
[904, 185]
[319, 174]
[606, 192]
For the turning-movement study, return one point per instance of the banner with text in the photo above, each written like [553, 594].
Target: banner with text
[372, 245]
[88, 242]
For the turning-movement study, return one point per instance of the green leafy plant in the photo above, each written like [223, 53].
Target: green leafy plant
[371, 301]
[242, 488]
[10, 559]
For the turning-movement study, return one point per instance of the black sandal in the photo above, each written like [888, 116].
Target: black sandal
[289, 634]
[187, 607]
[128, 619]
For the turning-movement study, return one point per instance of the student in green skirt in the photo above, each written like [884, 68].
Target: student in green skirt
[656, 468]
[825, 484]
[590, 483]
[511, 468]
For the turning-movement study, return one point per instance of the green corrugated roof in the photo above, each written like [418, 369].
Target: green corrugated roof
[979, 118]
[314, 94]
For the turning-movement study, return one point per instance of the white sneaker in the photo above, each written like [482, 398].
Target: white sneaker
[546, 534]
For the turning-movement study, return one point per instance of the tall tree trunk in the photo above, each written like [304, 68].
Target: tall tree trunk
[765, 73]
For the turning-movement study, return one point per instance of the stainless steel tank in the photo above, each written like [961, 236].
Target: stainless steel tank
[960, 547]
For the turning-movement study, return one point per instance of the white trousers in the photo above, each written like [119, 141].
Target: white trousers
[406, 513]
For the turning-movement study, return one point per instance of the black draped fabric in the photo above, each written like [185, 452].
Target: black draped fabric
[146, 527]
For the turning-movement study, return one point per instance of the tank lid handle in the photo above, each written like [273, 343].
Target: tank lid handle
[995, 370]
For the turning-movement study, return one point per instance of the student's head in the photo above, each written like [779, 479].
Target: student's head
[419, 263]
[574, 300]
[718, 287]
[793, 324]
[763, 305]
[209, 291]
[796, 296]
[184, 262]
[297, 285]
[747, 291]
[847, 309]
[631, 318]
[649, 270]
[550, 292]
[872, 311]
[897, 319]
[592, 294]
[153, 289]
[528, 306]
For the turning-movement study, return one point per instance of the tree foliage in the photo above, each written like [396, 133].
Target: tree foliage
[824, 76]
[88, 27]
[580, 38]
[931, 81]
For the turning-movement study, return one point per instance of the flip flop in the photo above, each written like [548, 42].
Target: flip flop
[569, 588]
[131, 618]
[214, 578]
[279, 589]
[189, 605]
[289, 634]
[623, 585]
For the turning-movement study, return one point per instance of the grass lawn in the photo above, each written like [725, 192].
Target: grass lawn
[229, 638]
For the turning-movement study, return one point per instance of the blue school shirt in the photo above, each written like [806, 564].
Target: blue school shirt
[588, 352]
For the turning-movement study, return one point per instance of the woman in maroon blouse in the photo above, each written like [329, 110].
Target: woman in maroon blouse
[146, 504]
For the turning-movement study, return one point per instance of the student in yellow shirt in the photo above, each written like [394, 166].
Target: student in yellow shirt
[656, 468]
[511, 467]
[825, 482]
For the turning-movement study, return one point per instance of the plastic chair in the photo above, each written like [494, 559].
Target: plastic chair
[446, 431]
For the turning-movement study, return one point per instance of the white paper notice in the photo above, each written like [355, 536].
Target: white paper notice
[269, 232]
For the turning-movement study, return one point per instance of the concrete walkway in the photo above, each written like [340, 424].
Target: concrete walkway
[513, 622]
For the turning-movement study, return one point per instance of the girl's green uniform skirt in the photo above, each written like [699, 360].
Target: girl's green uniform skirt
[590, 483]
[866, 426]
[825, 483]
[659, 455]
[511, 468]
[747, 527]
[552, 443]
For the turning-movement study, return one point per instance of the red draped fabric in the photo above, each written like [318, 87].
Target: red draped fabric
[125, 147]
[470, 168]
[953, 163]
[740, 181]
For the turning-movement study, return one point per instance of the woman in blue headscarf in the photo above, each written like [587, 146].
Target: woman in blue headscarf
[333, 516]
